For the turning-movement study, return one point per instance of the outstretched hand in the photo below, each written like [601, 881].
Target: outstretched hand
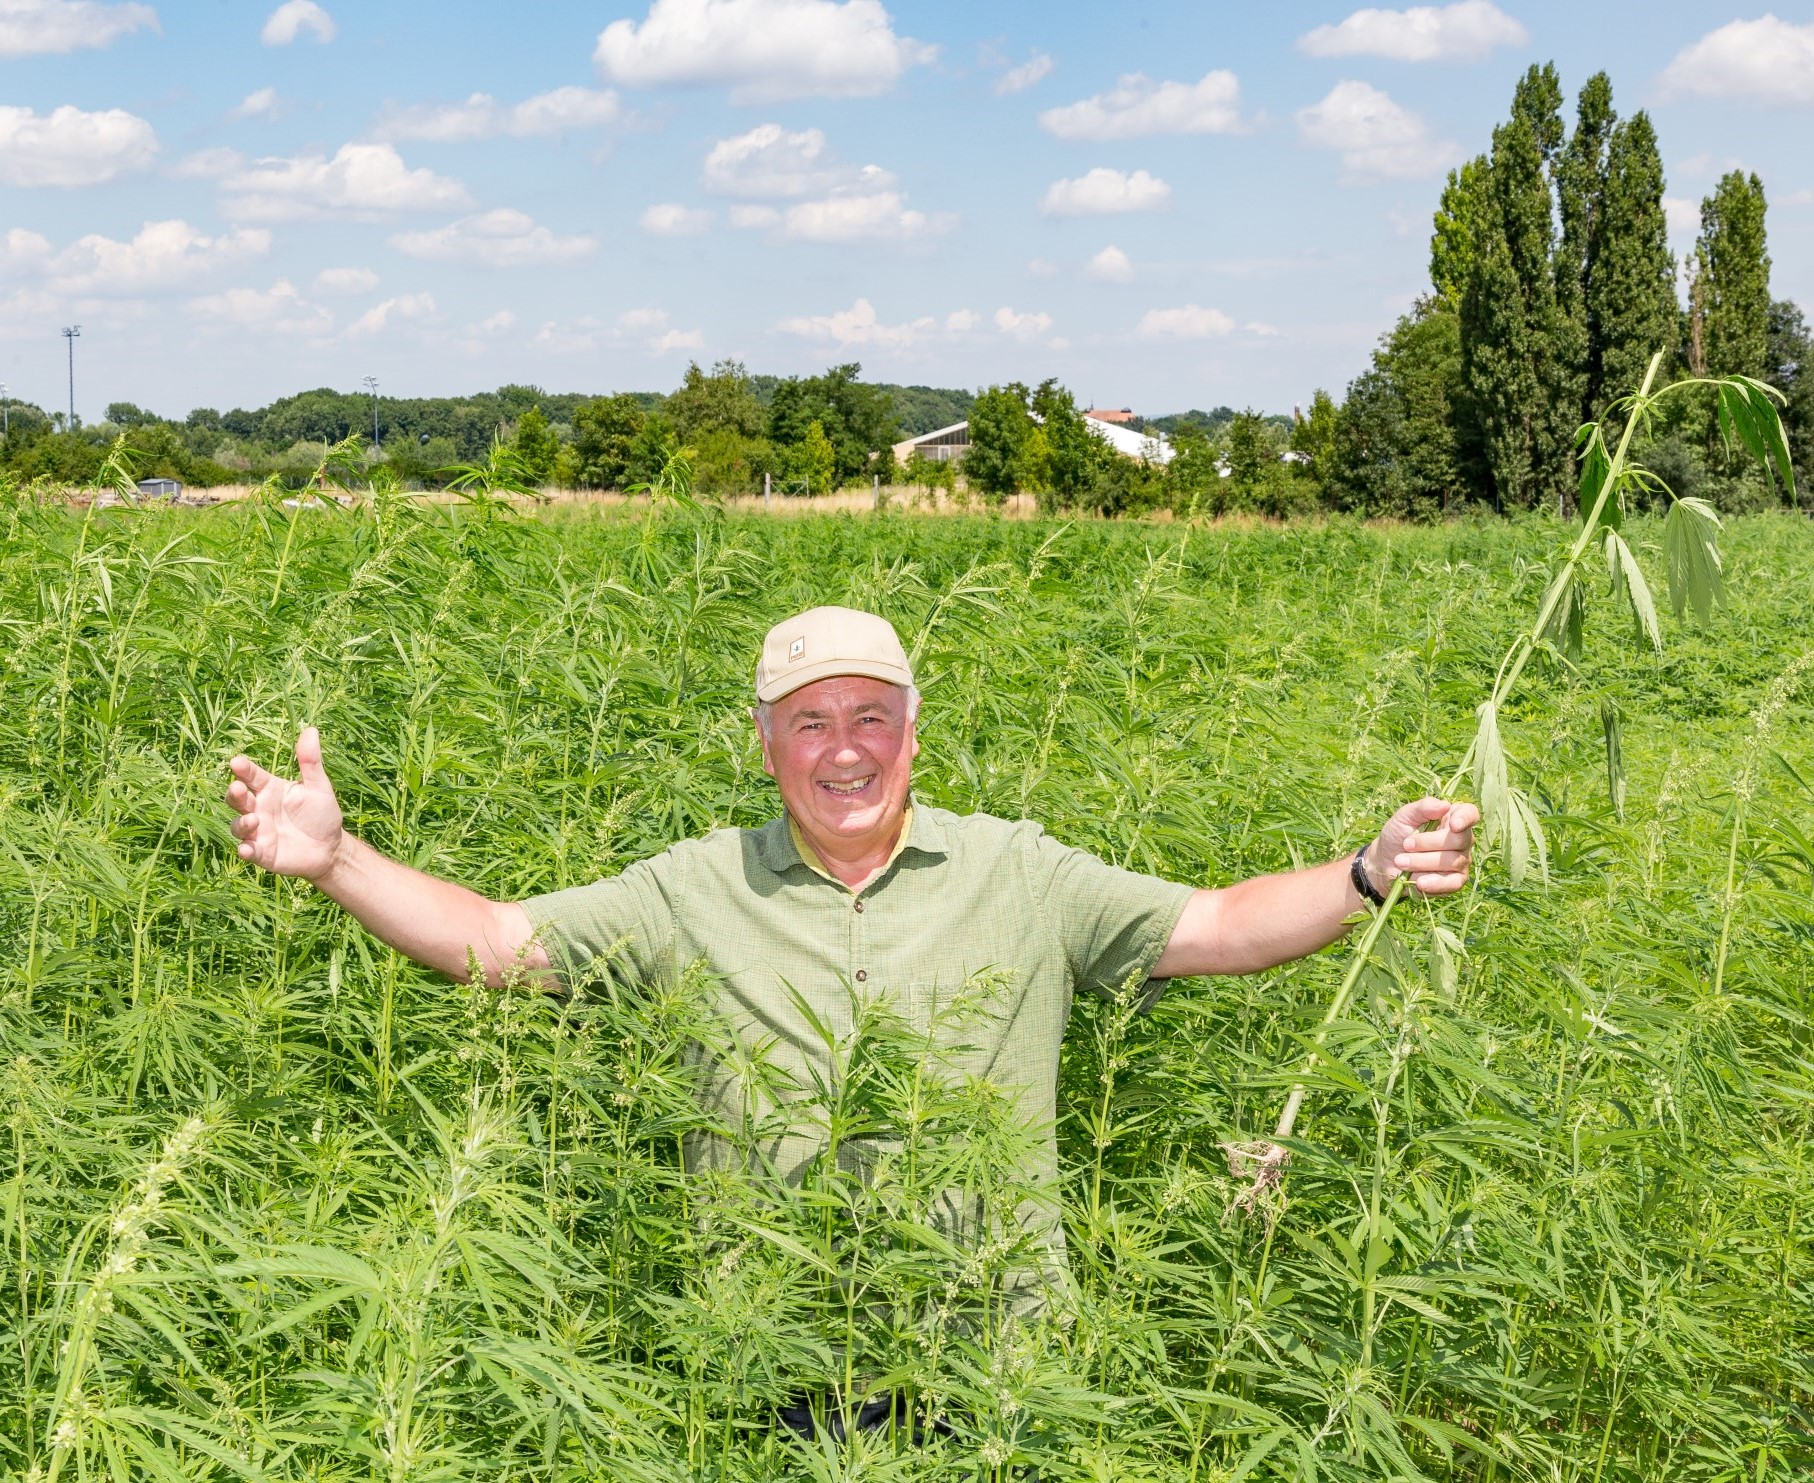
[1436, 858]
[289, 827]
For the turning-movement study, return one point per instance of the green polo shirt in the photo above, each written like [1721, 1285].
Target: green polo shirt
[970, 905]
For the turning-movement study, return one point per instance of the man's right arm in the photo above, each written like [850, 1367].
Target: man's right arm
[295, 828]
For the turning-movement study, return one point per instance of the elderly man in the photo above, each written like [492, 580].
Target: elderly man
[855, 888]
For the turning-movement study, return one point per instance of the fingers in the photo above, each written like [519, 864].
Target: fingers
[250, 774]
[1423, 811]
[1432, 862]
[1462, 816]
[308, 759]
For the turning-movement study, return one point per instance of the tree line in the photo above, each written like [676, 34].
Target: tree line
[1551, 286]
[808, 434]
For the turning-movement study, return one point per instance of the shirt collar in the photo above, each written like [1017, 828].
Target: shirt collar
[779, 846]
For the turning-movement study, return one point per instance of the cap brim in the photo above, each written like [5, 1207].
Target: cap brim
[827, 669]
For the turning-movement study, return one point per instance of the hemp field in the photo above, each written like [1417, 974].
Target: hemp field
[275, 1204]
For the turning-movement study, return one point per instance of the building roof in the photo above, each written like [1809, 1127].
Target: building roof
[1148, 447]
[1111, 414]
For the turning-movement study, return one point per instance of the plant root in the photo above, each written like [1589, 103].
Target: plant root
[1262, 1163]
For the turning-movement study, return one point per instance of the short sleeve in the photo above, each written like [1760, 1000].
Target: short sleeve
[1114, 923]
[629, 916]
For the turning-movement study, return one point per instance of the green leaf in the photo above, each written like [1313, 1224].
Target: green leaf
[1628, 582]
[1767, 420]
[1566, 619]
[1612, 725]
[1490, 784]
[1525, 838]
[1691, 550]
[1596, 465]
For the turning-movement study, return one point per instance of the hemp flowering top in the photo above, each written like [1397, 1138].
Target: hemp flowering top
[970, 904]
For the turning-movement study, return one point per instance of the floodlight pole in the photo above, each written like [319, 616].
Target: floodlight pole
[71, 333]
[370, 383]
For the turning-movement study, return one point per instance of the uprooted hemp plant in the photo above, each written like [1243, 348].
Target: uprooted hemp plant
[1609, 480]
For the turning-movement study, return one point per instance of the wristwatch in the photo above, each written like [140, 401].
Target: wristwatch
[1363, 883]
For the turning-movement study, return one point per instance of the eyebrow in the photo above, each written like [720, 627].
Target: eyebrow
[818, 715]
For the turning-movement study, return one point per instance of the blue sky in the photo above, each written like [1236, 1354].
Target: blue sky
[1165, 206]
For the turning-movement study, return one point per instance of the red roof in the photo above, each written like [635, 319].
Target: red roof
[1111, 414]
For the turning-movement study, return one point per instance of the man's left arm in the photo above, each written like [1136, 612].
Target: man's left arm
[1273, 919]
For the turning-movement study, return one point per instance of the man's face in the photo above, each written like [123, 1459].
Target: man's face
[842, 751]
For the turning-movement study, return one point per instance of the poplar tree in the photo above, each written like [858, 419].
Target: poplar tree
[1452, 240]
[1514, 340]
[1631, 302]
[1731, 268]
[1581, 201]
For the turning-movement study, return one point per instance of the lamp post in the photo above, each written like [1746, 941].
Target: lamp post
[71, 333]
[6, 412]
[370, 383]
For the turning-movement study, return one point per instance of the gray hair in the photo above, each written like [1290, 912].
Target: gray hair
[765, 709]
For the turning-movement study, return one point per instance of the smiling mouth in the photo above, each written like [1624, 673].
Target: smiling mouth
[852, 789]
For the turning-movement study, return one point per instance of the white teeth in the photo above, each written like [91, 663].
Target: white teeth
[856, 787]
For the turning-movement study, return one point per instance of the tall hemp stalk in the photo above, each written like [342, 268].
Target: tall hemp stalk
[1747, 412]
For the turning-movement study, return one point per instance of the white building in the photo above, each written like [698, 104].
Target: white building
[950, 444]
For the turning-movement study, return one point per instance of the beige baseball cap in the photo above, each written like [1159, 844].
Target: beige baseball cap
[822, 642]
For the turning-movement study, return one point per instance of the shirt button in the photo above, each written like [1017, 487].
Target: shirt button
[859, 906]
[862, 975]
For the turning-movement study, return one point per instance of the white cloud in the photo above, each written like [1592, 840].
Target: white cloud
[345, 281]
[653, 327]
[582, 335]
[962, 321]
[1191, 322]
[858, 325]
[859, 218]
[503, 238]
[501, 323]
[545, 116]
[1137, 107]
[34, 28]
[292, 18]
[404, 309]
[764, 50]
[164, 254]
[1023, 327]
[362, 181]
[1376, 138]
[208, 164]
[768, 163]
[277, 310]
[1260, 330]
[22, 251]
[69, 147]
[656, 331]
[1424, 33]
[1103, 191]
[1040, 267]
[755, 218]
[1682, 215]
[1761, 61]
[1111, 265]
[1018, 79]
[671, 219]
[261, 104]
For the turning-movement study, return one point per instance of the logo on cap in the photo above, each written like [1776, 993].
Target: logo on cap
[796, 650]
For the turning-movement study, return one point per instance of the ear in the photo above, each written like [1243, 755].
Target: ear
[768, 765]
